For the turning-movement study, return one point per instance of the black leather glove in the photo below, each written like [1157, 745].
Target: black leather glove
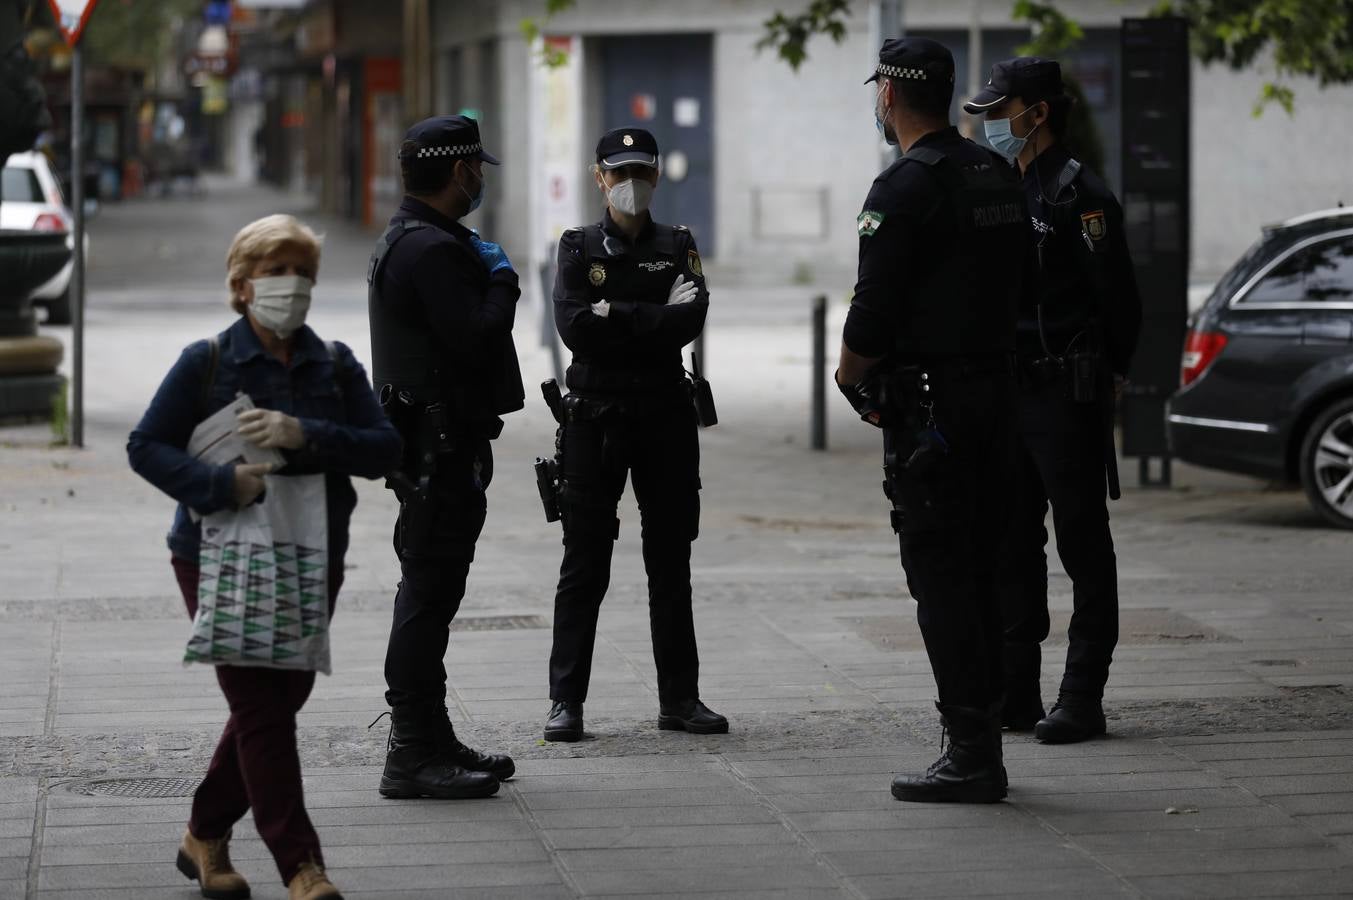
[863, 401]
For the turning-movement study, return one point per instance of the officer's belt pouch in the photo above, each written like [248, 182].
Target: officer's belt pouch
[585, 409]
[702, 396]
[902, 392]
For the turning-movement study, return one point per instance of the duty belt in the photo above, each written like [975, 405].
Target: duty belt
[964, 367]
[592, 378]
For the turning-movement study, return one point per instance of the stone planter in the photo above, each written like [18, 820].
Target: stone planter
[28, 362]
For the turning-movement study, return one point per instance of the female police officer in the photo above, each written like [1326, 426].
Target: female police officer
[628, 296]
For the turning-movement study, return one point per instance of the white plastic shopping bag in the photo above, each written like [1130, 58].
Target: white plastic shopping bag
[263, 595]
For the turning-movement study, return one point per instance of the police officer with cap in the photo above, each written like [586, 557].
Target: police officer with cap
[1075, 344]
[442, 301]
[629, 295]
[926, 356]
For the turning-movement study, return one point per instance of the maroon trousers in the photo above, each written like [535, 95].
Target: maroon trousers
[256, 765]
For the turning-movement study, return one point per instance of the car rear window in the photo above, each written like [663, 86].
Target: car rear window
[1320, 272]
[20, 186]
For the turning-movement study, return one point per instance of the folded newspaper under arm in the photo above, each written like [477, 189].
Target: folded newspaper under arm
[216, 441]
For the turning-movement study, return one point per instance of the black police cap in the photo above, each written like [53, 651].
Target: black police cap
[445, 136]
[627, 147]
[1028, 77]
[914, 58]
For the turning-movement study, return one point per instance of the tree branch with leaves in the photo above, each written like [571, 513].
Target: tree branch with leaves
[1307, 39]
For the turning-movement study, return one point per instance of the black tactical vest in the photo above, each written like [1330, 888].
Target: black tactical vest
[615, 272]
[403, 358]
[967, 303]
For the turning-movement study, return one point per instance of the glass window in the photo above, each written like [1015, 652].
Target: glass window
[1319, 273]
[20, 186]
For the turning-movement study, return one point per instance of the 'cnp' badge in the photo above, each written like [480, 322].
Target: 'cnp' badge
[1093, 225]
[597, 274]
[868, 222]
[693, 261]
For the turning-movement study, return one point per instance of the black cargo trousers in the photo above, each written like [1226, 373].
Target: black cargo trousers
[950, 514]
[435, 546]
[649, 436]
[1060, 459]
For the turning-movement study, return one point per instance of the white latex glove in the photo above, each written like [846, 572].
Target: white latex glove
[269, 428]
[601, 308]
[683, 291]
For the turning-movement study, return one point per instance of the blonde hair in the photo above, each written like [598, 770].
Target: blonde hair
[262, 238]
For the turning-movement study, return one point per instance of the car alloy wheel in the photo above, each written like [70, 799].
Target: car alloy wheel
[1327, 464]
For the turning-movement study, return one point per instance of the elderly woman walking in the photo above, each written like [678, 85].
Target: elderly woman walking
[315, 407]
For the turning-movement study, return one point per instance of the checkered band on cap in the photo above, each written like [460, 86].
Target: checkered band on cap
[900, 72]
[456, 150]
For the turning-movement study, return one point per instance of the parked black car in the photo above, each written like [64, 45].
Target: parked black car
[1267, 370]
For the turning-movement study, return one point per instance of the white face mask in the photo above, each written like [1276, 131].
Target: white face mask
[281, 303]
[630, 197]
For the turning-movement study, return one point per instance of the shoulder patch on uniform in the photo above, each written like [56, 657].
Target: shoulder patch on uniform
[868, 222]
[597, 274]
[681, 228]
[693, 262]
[1092, 223]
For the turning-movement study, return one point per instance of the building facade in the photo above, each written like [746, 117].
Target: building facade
[769, 166]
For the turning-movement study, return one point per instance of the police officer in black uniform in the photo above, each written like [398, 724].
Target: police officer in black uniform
[442, 302]
[926, 356]
[1075, 345]
[629, 295]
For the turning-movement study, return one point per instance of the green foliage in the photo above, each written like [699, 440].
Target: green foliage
[550, 57]
[1053, 32]
[789, 35]
[1307, 38]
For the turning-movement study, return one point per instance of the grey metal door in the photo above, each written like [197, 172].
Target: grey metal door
[664, 83]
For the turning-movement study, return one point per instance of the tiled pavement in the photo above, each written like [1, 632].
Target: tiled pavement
[638, 812]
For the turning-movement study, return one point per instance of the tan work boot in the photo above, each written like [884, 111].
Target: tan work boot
[208, 863]
[310, 883]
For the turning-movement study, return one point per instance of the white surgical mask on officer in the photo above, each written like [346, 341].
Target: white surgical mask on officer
[281, 303]
[631, 196]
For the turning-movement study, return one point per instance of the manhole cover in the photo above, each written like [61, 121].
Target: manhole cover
[497, 623]
[138, 788]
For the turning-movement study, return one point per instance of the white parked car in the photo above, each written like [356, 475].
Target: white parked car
[31, 200]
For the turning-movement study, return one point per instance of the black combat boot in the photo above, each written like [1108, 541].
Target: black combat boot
[498, 765]
[565, 722]
[415, 767]
[969, 770]
[692, 716]
[1074, 718]
[1023, 706]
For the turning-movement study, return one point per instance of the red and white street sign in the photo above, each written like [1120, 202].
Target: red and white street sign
[71, 17]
